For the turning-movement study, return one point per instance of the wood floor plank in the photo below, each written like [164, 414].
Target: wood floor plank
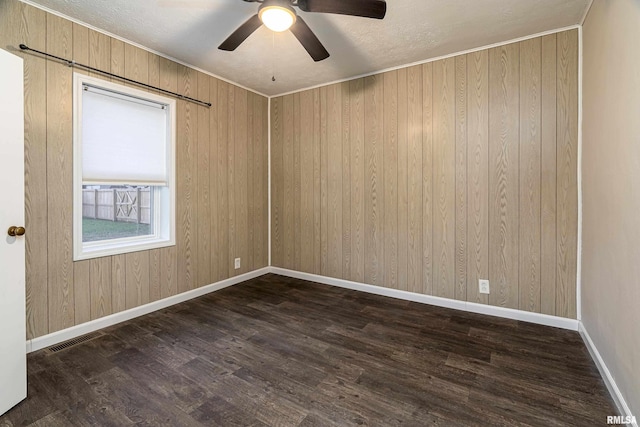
[282, 351]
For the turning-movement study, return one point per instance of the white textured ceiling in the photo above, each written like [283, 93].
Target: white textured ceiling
[413, 30]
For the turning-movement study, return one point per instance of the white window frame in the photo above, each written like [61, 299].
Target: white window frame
[164, 198]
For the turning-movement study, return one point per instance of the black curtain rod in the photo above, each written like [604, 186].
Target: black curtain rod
[86, 67]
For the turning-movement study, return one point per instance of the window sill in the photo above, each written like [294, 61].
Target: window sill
[119, 248]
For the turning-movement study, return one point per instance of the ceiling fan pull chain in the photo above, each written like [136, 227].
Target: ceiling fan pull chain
[273, 53]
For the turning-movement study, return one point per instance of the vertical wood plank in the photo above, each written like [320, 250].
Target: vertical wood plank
[461, 83]
[277, 183]
[186, 180]
[118, 283]
[567, 187]
[324, 172]
[297, 182]
[503, 181]
[214, 201]
[250, 165]
[168, 79]
[203, 188]
[478, 174]
[374, 180]
[168, 272]
[100, 273]
[155, 266]
[427, 179]
[415, 178]
[334, 180]
[117, 57]
[288, 179]
[390, 126]
[444, 181]
[231, 183]
[346, 180]
[81, 275]
[548, 262]
[59, 176]
[82, 285]
[240, 181]
[137, 279]
[136, 64]
[317, 184]
[263, 178]
[403, 178]
[155, 286]
[222, 162]
[33, 32]
[306, 182]
[530, 175]
[357, 176]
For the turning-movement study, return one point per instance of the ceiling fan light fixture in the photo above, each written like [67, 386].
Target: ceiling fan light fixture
[277, 17]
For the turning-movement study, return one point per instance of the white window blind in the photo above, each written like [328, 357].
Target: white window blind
[124, 139]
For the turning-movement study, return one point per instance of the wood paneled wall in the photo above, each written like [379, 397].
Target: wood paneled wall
[222, 171]
[431, 177]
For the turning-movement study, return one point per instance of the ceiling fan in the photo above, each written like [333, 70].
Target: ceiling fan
[279, 15]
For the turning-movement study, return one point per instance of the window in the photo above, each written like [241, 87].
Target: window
[124, 169]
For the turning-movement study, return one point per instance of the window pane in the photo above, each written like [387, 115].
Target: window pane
[116, 212]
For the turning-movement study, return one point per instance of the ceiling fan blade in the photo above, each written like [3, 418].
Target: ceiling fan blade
[366, 8]
[308, 40]
[241, 34]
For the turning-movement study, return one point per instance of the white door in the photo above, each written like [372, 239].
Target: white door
[13, 358]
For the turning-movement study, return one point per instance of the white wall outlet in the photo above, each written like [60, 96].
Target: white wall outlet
[237, 264]
[483, 286]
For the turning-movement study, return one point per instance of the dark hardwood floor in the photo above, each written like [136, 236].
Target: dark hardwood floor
[280, 351]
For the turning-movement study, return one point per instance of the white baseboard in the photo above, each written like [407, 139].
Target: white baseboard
[508, 313]
[103, 322]
[617, 396]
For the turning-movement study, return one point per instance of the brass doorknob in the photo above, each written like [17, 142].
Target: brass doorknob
[16, 231]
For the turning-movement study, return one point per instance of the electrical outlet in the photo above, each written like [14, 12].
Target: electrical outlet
[237, 264]
[484, 286]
